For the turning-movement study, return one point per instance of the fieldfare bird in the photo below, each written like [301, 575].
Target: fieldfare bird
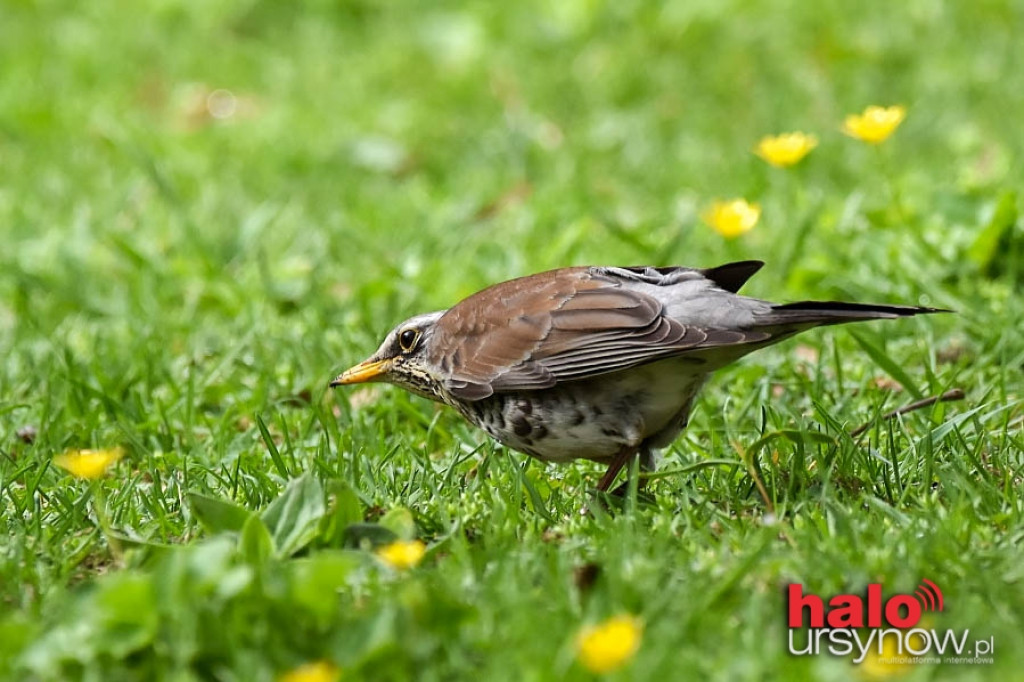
[598, 363]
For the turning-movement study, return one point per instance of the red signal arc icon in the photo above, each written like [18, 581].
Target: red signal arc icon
[930, 596]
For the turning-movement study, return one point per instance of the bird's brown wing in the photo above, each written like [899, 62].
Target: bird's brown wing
[569, 324]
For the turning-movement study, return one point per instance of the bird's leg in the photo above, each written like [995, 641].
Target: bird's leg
[621, 457]
[648, 463]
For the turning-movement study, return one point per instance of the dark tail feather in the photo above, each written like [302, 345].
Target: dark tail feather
[732, 276]
[837, 312]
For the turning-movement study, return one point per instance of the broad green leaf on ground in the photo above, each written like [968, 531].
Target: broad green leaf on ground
[293, 518]
[217, 515]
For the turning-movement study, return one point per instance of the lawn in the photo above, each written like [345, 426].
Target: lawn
[209, 209]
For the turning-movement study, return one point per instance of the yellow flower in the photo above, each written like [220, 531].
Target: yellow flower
[876, 124]
[732, 218]
[786, 149]
[320, 671]
[608, 646]
[402, 554]
[88, 464]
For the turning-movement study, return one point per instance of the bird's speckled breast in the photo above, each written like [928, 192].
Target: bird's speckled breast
[594, 418]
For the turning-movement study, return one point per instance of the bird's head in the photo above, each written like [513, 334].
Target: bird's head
[401, 359]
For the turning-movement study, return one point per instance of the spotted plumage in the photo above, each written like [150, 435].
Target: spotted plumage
[599, 363]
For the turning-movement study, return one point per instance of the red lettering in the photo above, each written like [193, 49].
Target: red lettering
[892, 611]
[847, 611]
[797, 602]
[875, 605]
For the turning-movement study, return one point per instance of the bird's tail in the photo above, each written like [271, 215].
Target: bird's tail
[818, 313]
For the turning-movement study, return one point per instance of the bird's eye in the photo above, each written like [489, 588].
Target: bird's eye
[408, 338]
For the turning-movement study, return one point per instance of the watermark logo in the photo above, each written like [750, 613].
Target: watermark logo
[887, 628]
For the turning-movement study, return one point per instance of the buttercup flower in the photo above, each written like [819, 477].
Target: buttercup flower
[732, 218]
[876, 124]
[402, 554]
[88, 464]
[608, 646]
[319, 671]
[786, 149]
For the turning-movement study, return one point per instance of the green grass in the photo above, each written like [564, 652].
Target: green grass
[185, 286]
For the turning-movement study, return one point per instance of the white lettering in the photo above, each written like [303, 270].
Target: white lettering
[926, 642]
[958, 647]
[863, 647]
[898, 634]
[810, 643]
[842, 644]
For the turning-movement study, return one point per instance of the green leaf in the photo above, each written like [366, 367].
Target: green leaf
[400, 522]
[294, 517]
[126, 606]
[887, 364]
[255, 544]
[985, 248]
[139, 552]
[233, 582]
[792, 435]
[216, 515]
[204, 564]
[345, 510]
[316, 580]
[374, 635]
[941, 431]
[275, 454]
[535, 499]
[17, 631]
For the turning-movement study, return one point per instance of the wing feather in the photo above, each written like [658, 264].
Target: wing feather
[531, 333]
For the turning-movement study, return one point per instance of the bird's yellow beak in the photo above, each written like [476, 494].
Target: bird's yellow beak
[365, 371]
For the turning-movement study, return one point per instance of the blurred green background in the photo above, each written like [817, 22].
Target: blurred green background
[208, 209]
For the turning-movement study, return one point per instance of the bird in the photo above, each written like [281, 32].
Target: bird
[593, 362]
